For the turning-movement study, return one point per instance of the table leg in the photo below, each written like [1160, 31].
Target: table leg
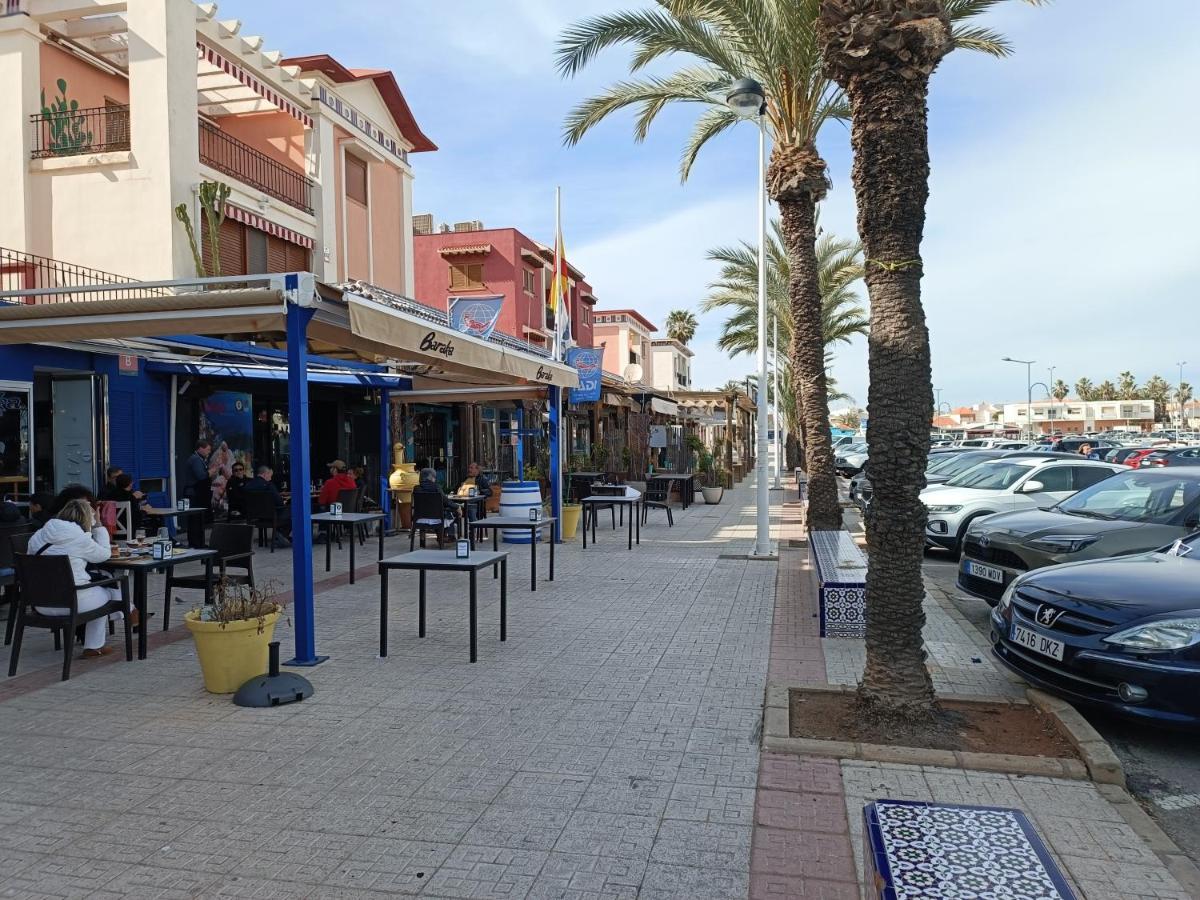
[474, 617]
[533, 539]
[504, 600]
[328, 547]
[353, 541]
[421, 607]
[585, 523]
[495, 549]
[553, 536]
[139, 600]
[381, 538]
[632, 516]
[636, 504]
[383, 612]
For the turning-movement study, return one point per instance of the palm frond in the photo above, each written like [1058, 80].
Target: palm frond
[711, 123]
[651, 92]
[981, 40]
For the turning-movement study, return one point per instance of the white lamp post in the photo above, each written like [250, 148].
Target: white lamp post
[747, 100]
[775, 404]
[1179, 394]
[1028, 364]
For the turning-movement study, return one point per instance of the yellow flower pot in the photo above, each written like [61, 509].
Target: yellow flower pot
[230, 655]
[570, 520]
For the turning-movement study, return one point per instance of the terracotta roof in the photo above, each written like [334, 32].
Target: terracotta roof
[468, 250]
[944, 422]
[385, 83]
[629, 312]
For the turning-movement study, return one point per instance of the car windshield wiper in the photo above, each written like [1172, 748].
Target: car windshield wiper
[1089, 514]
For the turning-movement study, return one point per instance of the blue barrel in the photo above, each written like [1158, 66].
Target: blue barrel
[517, 498]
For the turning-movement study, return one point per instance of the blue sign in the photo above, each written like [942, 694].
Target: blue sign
[475, 315]
[585, 361]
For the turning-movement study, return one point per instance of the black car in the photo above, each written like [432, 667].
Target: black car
[1122, 634]
[1072, 445]
[860, 485]
[1181, 456]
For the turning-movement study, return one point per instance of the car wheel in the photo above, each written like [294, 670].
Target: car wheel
[962, 533]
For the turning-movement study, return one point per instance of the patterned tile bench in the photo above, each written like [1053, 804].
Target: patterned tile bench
[918, 850]
[841, 573]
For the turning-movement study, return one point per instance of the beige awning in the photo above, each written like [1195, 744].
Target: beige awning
[476, 394]
[213, 312]
[666, 407]
[423, 341]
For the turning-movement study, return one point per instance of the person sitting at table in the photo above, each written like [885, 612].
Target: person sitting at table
[69, 493]
[39, 508]
[235, 490]
[262, 483]
[339, 480]
[76, 534]
[110, 477]
[10, 513]
[429, 485]
[122, 492]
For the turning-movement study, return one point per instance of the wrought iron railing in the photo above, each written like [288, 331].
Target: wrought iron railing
[33, 274]
[59, 131]
[241, 161]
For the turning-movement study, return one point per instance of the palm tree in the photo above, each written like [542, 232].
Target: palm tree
[882, 54]
[1084, 389]
[1060, 391]
[1127, 386]
[1158, 390]
[849, 419]
[681, 325]
[1183, 394]
[1106, 391]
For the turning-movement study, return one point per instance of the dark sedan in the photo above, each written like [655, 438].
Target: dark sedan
[1122, 634]
[1181, 456]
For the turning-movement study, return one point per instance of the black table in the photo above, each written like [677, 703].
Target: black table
[141, 566]
[590, 511]
[684, 481]
[478, 501]
[166, 512]
[351, 519]
[497, 522]
[443, 560]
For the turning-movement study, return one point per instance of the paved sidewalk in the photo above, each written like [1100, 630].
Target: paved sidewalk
[609, 749]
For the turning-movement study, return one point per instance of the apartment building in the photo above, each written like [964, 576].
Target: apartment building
[1078, 416]
[670, 365]
[626, 337]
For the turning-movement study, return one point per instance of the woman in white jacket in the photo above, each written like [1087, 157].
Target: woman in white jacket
[74, 533]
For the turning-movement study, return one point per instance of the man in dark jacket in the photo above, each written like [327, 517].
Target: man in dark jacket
[235, 488]
[197, 487]
[261, 483]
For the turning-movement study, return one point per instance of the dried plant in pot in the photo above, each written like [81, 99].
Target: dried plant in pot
[232, 634]
[712, 481]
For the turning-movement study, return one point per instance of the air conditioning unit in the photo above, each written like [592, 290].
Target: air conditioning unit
[423, 223]
[473, 225]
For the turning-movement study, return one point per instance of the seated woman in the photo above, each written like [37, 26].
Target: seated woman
[122, 492]
[75, 533]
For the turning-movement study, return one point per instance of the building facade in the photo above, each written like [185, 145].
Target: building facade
[670, 365]
[1080, 416]
[625, 335]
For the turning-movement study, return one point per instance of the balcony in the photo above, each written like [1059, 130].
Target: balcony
[32, 279]
[249, 166]
[78, 132]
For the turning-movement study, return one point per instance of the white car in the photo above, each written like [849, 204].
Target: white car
[848, 460]
[1004, 485]
[993, 444]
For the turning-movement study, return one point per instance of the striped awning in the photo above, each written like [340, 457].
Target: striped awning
[472, 250]
[254, 220]
[268, 93]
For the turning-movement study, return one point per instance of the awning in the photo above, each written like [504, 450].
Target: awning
[212, 312]
[473, 250]
[482, 395]
[233, 70]
[423, 341]
[270, 373]
[666, 407]
[254, 220]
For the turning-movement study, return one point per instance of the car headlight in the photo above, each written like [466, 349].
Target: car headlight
[1168, 634]
[1007, 597]
[943, 509]
[1063, 543]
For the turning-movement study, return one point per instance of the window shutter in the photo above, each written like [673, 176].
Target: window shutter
[356, 179]
[458, 277]
[296, 258]
[233, 247]
[276, 254]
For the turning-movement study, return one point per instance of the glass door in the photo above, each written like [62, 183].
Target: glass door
[16, 438]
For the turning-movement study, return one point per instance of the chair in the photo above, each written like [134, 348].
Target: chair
[351, 501]
[262, 514]
[658, 495]
[234, 544]
[48, 582]
[583, 491]
[117, 517]
[8, 572]
[429, 517]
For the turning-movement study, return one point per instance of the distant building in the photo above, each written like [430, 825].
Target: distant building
[1079, 416]
[625, 335]
[670, 365]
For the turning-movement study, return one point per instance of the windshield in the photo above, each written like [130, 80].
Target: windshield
[1137, 497]
[851, 448]
[957, 463]
[991, 476]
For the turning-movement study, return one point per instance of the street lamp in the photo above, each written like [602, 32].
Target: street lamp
[775, 396]
[748, 101]
[1179, 393]
[1028, 364]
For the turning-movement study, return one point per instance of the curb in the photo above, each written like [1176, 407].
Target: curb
[1140, 822]
[1102, 764]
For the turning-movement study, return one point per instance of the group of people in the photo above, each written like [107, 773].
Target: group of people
[476, 477]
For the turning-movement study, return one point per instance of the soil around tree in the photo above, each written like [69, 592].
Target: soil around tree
[967, 726]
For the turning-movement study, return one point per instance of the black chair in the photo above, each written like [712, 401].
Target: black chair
[234, 544]
[584, 490]
[20, 541]
[658, 495]
[10, 588]
[429, 516]
[48, 582]
[262, 514]
[351, 501]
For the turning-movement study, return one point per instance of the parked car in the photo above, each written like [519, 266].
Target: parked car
[1128, 456]
[1073, 443]
[1131, 512]
[993, 443]
[1004, 485]
[845, 440]
[848, 460]
[860, 484]
[1121, 634]
[1167, 456]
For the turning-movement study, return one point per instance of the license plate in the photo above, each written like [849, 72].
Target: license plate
[1037, 642]
[987, 573]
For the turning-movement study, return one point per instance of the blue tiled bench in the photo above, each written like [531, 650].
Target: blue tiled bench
[918, 850]
[842, 576]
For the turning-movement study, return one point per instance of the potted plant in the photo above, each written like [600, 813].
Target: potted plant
[712, 479]
[232, 634]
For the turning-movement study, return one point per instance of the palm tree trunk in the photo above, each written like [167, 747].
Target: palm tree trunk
[882, 52]
[798, 220]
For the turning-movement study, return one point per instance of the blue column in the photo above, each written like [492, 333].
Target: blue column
[385, 455]
[519, 452]
[555, 474]
[302, 570]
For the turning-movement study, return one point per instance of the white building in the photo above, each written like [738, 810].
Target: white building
[1080, 416]
[671, 365]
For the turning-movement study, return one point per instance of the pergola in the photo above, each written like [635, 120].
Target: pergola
[293, 312]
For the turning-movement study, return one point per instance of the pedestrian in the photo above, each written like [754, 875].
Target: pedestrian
[197, 488]
[1086, 451]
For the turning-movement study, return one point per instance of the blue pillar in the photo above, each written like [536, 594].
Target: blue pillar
[555, 474]
[385, 455]
[519, 453]
[302, 569]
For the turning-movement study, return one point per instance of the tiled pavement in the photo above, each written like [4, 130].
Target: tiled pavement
[609, 749]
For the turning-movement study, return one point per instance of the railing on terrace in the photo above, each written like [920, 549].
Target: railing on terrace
[241, 161]
[59, 131]
[31, 273]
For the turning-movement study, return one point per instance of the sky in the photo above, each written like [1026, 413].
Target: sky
[1064, 185]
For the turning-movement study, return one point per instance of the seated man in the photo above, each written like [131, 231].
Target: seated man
[481, 482]
[339, 480]
[121, 491]
[262, 483]
[234, 489]
[429, 485]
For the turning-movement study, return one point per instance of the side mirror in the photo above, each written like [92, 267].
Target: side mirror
[1032, 487]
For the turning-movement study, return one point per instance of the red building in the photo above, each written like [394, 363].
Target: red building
[471, 261]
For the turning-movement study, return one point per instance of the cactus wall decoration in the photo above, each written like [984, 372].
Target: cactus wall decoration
[66, 128]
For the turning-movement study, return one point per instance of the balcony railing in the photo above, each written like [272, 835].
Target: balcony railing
[76, 132]
[241, 161]
[31, 274]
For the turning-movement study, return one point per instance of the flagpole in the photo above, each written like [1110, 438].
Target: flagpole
[554, 394]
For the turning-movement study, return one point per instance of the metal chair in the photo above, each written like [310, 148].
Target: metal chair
[234, 544]
[583, 491]
[429, 517]
[49, 583]
[262, 514]
[658, 495]
[8, 572]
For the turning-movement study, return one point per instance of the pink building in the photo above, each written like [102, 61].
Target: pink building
[476, 262]
[625, 334]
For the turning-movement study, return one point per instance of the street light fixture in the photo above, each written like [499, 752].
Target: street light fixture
[1179, 393]
[1028, 364]
[747, 100]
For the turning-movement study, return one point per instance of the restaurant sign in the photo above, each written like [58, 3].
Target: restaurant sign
[475, 315]
[585, 361]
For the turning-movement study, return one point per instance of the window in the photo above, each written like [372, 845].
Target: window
[466, 276]
[1054, 478]
[528, 278]
[116, 124]
[356, 179]
[15, 436]
[1086, 476]
[633, 357]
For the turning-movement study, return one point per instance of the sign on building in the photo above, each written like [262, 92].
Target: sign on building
[475, 315]
[586, 362]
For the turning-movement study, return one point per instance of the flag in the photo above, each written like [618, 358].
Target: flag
[560, 300]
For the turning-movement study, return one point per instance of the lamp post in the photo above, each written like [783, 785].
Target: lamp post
[1179, 392]
[748, 101]
[1028, 364]
[775, 398]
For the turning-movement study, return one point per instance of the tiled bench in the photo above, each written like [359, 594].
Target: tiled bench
[841, 574]
[917, 850]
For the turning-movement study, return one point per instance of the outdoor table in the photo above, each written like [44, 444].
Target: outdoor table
[447, 561]
[166, 512]
[589, 510]
[351, 519]
[478, 501]
[141, 566]
[497, 522]
[684, 481]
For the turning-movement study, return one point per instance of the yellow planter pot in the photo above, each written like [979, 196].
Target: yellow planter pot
[570, 520]
[230, 656]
